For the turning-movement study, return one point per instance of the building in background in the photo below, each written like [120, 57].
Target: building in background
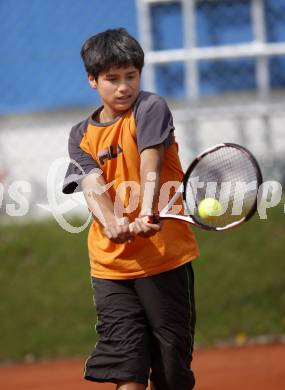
[211, 48]
[219, 63]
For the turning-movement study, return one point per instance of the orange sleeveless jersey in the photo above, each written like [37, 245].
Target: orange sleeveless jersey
[115, 148]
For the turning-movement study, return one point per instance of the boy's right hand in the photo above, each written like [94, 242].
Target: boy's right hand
[143, 228]
[118, 231]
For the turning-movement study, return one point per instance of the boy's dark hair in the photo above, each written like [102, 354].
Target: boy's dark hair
[109, 48]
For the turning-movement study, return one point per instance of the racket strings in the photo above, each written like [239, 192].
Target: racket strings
[228, 175]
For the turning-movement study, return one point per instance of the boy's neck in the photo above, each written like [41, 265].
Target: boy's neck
[104, 116]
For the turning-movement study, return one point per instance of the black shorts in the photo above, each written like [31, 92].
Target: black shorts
[145, 327]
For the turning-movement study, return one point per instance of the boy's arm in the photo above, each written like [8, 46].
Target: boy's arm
[154, 127]
[100, 204]
[150, 167]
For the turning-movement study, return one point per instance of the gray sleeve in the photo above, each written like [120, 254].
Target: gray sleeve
[154, 121]
[81, 163]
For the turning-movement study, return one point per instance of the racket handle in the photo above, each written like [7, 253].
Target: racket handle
[154, 218]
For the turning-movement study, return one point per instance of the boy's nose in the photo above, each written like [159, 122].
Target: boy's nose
[123, 86]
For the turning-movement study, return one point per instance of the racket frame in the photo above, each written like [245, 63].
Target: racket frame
[182, 191]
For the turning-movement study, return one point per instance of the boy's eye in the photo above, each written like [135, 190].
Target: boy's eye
[115, 79]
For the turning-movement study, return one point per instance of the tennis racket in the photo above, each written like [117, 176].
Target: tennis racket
[226, 173]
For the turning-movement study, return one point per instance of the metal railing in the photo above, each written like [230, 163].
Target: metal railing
[190, 54]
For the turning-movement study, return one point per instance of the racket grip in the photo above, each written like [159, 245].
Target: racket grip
[154, 218]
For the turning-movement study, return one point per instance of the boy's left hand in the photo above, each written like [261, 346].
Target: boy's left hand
[144, 229]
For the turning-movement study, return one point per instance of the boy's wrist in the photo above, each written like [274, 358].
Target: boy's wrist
[122, 220]
[113, 220]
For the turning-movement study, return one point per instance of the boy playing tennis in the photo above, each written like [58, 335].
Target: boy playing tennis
[125, 160]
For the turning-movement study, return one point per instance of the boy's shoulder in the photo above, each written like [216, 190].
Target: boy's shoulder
[148, 100]
[153, 120]
[79, 129]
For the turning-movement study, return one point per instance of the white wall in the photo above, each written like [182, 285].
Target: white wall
[30, 144]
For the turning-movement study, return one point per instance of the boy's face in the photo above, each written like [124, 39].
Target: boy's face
[118, 88]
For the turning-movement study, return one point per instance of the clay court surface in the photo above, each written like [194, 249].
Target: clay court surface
[242, 368]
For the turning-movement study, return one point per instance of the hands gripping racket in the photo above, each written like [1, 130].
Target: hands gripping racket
[226, 176]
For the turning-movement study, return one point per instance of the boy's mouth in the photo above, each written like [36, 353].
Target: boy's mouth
[124, 98]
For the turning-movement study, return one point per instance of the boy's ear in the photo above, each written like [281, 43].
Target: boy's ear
[92, 81]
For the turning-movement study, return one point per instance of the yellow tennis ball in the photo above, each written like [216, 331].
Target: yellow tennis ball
[209, 208]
